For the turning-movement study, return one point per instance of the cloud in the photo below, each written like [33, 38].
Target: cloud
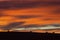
[12, 25]
[33, 25]
[27, 16]
[56, 11]
[2, 14]
[55, 25]
[48, 19]
[14, 5]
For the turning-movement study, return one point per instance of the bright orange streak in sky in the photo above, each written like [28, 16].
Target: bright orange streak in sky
[45, 12]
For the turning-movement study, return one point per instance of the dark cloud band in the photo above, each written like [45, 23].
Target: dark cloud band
[12, 25]
[27, 16]
[56, 11]
[14, 5]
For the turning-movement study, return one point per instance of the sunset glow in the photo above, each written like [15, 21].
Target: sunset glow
[41, 14]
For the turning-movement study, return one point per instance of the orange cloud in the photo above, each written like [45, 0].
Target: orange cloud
[45, 13]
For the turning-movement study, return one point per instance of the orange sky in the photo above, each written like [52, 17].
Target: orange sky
[39, 14]
[45, 15]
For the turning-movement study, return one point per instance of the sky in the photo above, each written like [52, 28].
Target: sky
[32, 12]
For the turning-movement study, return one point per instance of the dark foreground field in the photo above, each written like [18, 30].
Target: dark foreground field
[29, 36]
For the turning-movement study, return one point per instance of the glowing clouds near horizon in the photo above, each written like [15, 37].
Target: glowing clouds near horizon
[38, 15]
[31, 13]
